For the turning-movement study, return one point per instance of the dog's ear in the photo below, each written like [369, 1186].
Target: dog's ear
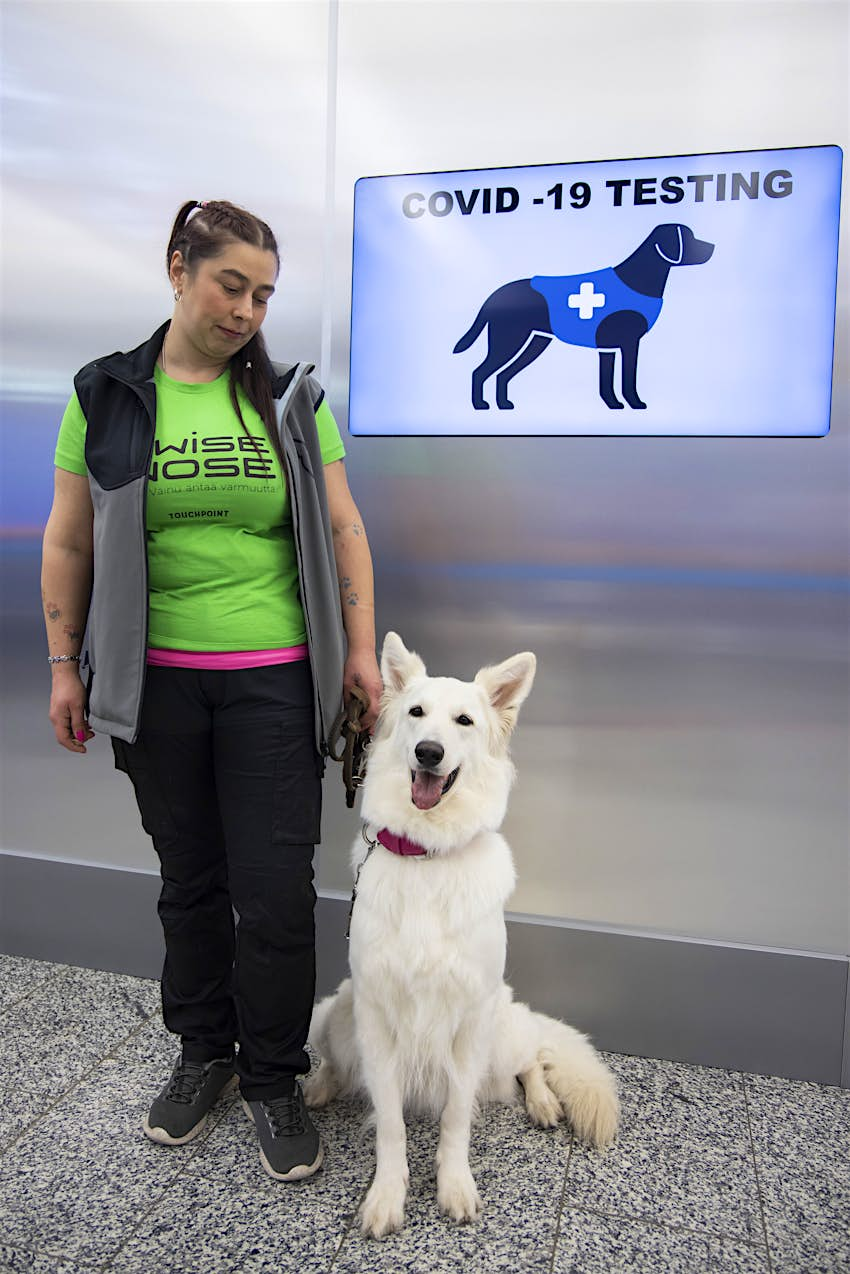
[398, 664]
[669, 243]
[507, 685]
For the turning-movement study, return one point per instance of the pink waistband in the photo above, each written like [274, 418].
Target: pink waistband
[225, 658]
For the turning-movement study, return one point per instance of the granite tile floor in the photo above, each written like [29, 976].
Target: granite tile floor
[713, 1170]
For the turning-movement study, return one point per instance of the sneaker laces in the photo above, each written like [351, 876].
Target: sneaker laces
[285, 1115]
[187, 1080]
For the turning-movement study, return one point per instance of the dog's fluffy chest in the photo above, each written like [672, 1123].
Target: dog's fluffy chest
[433, 924]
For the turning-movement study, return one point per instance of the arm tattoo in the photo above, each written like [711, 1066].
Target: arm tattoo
[357, 528]
[52, 610]
[70, 631]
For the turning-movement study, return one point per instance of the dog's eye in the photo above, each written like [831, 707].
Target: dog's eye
[416, 712]
[463, 719]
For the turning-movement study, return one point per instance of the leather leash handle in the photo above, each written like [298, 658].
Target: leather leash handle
[351, 755]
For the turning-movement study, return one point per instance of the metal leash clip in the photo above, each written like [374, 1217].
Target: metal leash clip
[347, 731]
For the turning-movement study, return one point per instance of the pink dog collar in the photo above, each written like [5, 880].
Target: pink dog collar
[400, 845]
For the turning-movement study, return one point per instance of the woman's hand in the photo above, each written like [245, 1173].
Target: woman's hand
[361, 669]
[66, 577]
[68, 709]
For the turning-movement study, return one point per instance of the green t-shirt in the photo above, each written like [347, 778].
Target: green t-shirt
[222, 569]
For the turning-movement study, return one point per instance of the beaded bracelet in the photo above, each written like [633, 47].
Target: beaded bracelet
[63, 659]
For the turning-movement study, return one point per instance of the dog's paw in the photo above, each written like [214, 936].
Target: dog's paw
[595, 1112]
[457, 1194]
[603, 1129]
[320, 1087]
[382, 1211]
[544, 1109]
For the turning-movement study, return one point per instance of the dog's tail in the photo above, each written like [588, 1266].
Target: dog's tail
[580, 1080]
[470, 337]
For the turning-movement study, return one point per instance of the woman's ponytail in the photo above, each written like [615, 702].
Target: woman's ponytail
[252, 372]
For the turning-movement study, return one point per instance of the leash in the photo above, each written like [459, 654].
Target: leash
[395, 844]
[347, 731]
[371, 844]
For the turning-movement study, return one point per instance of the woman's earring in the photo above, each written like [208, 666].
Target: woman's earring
[177, 295]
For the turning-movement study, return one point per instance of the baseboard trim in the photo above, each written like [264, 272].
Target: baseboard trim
[744, 1008]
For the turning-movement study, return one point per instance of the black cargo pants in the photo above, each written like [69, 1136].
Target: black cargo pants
[228, 783]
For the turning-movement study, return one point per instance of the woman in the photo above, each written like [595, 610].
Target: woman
[205, 550]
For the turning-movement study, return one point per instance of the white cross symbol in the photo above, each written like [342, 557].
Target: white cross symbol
[586, 300]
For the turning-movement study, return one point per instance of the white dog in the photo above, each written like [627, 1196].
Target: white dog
[425, 1020]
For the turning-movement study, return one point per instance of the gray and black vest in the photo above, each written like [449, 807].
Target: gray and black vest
[118, 398]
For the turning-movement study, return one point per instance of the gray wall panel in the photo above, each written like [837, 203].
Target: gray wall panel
[761, 1011]
[777, 1013]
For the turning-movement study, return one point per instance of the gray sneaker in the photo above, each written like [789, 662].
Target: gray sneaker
[289, 1144]
[180, 1111]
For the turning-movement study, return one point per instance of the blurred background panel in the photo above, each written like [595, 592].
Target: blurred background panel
[683, 758]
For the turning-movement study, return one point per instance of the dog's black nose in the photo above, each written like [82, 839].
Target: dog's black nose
[429, 754]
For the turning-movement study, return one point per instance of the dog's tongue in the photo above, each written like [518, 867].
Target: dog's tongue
[427, 789]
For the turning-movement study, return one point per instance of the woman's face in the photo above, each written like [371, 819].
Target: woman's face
[224, 300]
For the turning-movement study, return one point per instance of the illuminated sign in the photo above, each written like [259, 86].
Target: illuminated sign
[689, 295]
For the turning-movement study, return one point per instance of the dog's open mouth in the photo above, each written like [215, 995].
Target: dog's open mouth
[428, 789]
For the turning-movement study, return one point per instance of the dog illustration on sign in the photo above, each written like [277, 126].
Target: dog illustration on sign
[607, 310]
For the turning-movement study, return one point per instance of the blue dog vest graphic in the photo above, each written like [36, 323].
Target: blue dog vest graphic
[579, 302]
